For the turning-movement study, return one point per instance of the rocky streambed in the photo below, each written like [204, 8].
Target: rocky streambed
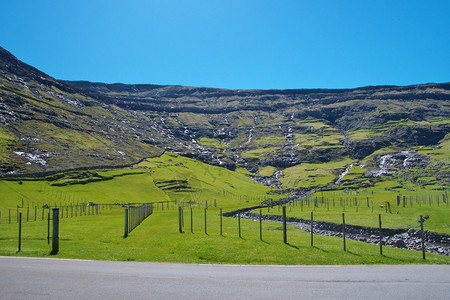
[399, 238]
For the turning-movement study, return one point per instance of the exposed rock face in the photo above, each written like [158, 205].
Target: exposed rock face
[361, 149]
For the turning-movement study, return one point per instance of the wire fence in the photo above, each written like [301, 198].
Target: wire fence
[135, 215]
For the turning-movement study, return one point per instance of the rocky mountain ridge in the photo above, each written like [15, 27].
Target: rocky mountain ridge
[49, 124]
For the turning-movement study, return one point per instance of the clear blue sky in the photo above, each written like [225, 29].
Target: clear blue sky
[233, 43]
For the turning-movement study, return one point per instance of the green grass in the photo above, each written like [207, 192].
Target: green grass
[212, 143]
[7, 142]
[259, 153]
[313, 175]
[173, 180]
[167, 178]
[157, 239]
[267, 171]
[380, 130]
[331, 205]
[138, 184]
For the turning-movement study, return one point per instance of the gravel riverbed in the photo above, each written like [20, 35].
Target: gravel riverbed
[399, 238]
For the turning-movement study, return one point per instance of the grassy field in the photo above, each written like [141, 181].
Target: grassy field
[170, 181]
[157, 239]
[361, 207]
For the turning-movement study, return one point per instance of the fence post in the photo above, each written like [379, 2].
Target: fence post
[312, 229]
[126, 223]
[182, 216]
[20, 232]
[343, 229]
[55, 234]
[239, 222]
[284, 225]
[423, 236]
[192, 223]
[180, 222]
[48, 227]
[260, 224]
[206, 231]
[381, 234]
[221, 215]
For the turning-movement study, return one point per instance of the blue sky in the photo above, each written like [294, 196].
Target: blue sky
[236, 44]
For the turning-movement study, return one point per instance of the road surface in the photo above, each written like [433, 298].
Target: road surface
[41, 278]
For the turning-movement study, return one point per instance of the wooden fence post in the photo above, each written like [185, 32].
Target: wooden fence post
[192, 222]
[180, 221]
[381, 234]
[312, 229]
[221, 225]
[423, 236]
[260, 224]
[206, 231]
[55, 234]
[284, 226]
[20, 232]
[126, 223]
[343, 230]
[239, 223]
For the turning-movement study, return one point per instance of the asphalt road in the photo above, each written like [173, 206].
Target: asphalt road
[40, 278]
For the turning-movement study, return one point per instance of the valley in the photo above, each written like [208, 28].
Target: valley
[63, 143]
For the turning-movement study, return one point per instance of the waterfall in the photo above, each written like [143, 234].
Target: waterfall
[349, 167]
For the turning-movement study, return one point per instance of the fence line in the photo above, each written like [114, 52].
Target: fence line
[135, 215]
[35, 213]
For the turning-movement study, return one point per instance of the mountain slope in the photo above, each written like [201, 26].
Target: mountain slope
[261, 132]
[48, 125]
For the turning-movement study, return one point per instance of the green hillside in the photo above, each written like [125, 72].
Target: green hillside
[172, 181]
